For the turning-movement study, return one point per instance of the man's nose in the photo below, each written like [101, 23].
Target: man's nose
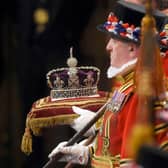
[109, 46]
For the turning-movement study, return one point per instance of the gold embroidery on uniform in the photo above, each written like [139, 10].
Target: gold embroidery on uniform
[106, 138]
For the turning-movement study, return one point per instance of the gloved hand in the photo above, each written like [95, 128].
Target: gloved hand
[82, 120]
[77, 153]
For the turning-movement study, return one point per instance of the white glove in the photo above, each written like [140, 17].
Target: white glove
[82, 120]
[77, 153]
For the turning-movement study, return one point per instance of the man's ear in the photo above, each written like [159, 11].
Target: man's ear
[132, 50]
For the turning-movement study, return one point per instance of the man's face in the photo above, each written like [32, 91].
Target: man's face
[119, 52]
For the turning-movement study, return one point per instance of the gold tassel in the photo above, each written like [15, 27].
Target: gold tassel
[26, 145]
[149, 74]
[141, 135]
[36, 131]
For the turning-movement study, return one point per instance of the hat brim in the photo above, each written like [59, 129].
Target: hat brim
[127, 12]
[117, 36]
[122, 10]
[140, 8]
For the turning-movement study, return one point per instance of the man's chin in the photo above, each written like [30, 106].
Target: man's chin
[113, 71]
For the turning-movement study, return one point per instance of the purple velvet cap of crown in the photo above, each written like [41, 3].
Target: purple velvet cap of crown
[73, 82]
[62, 76]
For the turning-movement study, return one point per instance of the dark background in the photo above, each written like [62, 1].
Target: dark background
[26, 55]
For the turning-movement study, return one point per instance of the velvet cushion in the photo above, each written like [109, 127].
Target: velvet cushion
[48, 113]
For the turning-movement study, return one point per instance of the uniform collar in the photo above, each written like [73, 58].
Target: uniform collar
[123, 80]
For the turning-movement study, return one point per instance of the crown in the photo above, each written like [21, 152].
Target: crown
[73, 81]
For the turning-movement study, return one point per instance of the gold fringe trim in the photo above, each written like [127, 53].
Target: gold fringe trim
[36, 124]
[26, 145]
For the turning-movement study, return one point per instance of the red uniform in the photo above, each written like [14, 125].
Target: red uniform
[117, 123]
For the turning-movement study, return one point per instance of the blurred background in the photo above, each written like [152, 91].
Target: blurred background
[35, 37]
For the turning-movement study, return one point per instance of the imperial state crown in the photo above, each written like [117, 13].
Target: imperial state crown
[73, 81]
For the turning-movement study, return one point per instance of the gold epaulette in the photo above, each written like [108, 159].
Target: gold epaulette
[129, 82]
[127, 85]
